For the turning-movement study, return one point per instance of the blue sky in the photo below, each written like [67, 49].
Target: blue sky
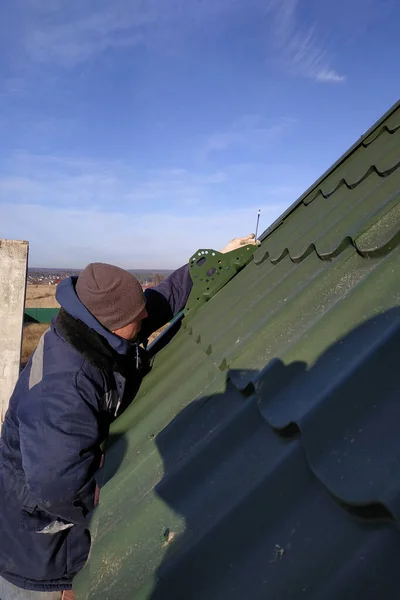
[137, 131]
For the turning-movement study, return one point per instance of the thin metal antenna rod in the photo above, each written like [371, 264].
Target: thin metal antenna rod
[258, 220]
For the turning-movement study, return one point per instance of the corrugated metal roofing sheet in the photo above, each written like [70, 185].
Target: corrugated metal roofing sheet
[261, 457]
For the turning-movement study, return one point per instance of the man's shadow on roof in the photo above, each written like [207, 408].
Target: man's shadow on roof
[237, 465]
[234, 460]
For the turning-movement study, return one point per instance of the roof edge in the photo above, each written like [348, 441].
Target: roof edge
[340, 160]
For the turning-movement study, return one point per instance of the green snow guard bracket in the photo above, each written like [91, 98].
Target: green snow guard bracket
[211, 270]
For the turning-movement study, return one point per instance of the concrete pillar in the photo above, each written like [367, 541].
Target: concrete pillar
[13, 269]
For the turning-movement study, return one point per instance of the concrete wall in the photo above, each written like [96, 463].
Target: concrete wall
[13, 268]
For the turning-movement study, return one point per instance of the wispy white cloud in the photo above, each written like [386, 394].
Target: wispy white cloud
[68, 34]
[297, 47]
[246, 132]
[150, 239]
[330, 75]
[77, 182]
[76, 210]
[70, 40]
[15, 86]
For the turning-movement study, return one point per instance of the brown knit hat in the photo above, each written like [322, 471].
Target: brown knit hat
[112, 295]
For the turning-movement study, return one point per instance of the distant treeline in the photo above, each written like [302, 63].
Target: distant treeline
[154, 276]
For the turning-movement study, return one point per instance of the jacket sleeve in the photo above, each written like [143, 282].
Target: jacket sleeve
[60, 447]
[164, 301]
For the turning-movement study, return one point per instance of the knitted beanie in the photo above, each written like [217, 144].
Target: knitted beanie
[112, 295]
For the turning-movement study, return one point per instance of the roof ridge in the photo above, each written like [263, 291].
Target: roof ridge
[344, 243]
[360, 142]
[351, 186]
[382, 130]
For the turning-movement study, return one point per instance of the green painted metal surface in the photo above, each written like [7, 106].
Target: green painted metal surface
[330, 264]
[210, 272]
[41, 315]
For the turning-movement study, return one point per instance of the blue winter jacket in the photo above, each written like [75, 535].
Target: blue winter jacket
[59, 414]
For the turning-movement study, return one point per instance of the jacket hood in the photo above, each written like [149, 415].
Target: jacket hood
[67, 297]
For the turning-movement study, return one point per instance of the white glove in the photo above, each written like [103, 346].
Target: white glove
[239, 242]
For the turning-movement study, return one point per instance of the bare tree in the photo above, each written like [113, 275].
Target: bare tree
[157, 279]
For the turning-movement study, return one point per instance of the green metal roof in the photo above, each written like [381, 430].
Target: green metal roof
[40, 315]
[283, 347]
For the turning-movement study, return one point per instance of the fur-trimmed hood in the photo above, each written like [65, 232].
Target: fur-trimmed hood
[96, 349]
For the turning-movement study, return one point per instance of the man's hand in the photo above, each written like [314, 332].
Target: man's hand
[239, 242]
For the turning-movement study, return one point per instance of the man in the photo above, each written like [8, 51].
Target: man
[86, 369]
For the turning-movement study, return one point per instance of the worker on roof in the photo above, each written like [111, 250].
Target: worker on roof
[86, 369]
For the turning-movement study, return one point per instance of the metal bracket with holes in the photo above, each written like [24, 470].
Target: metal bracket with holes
[211, 270]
